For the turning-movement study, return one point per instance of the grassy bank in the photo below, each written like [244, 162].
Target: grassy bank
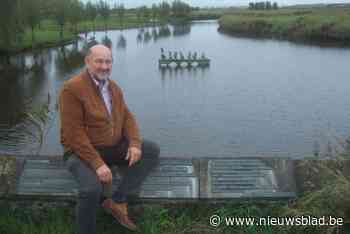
[48, 33]
[208, 14]
[311, 25]
[43, 38]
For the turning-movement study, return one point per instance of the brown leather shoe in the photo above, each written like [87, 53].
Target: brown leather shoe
[120, 213]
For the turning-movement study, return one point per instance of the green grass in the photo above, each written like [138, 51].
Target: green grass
[42, 38]
[151, 219]
[47, 34]
[319, 25]
[28, 221]
[45, 37]
[113, 23]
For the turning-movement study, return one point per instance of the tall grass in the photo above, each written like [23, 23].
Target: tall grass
[151, 219]
[311, 25]
[19, 220]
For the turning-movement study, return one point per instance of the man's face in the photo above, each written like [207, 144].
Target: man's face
[99, 63]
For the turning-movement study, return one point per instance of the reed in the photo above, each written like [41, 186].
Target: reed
[316, 25]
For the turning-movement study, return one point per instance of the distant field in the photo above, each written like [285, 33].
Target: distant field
[205, 14]
[319, 25]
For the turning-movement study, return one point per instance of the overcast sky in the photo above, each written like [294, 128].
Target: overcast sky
[220, 3]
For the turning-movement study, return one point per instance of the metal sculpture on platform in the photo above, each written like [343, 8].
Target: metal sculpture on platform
[177, 59]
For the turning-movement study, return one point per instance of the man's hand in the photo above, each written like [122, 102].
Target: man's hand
[104, 174]
[133, 155]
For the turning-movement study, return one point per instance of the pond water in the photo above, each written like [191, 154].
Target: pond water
[258, 97]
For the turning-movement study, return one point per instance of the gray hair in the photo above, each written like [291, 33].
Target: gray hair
[89, 50]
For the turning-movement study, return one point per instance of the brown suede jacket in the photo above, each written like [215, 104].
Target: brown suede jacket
[85, 121]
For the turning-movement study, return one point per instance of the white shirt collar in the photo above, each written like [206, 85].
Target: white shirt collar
[105, 85]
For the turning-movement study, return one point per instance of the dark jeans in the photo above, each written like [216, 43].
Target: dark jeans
[91, 190]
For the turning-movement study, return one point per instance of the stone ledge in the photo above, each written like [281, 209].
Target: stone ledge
[174, 179]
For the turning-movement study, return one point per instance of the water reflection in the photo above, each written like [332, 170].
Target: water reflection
[154, 34]
[147, 36]
[70, 57]
[161, 32]
[22, 129]
[24, 81]
[19, 64]
[89, 43]
[164, 32]
[139, 36]
[121, 42]
[181, 29]
[107, 41]
[144, 35]
[182, 72]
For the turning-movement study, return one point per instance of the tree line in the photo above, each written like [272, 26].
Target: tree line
[18, 15]
[267, 5]
[161, 11]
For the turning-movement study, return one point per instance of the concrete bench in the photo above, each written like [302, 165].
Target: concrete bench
[174, 179]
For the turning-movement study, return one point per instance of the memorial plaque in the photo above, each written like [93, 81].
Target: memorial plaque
[172, 179]
[249, 177]
[46, 177]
